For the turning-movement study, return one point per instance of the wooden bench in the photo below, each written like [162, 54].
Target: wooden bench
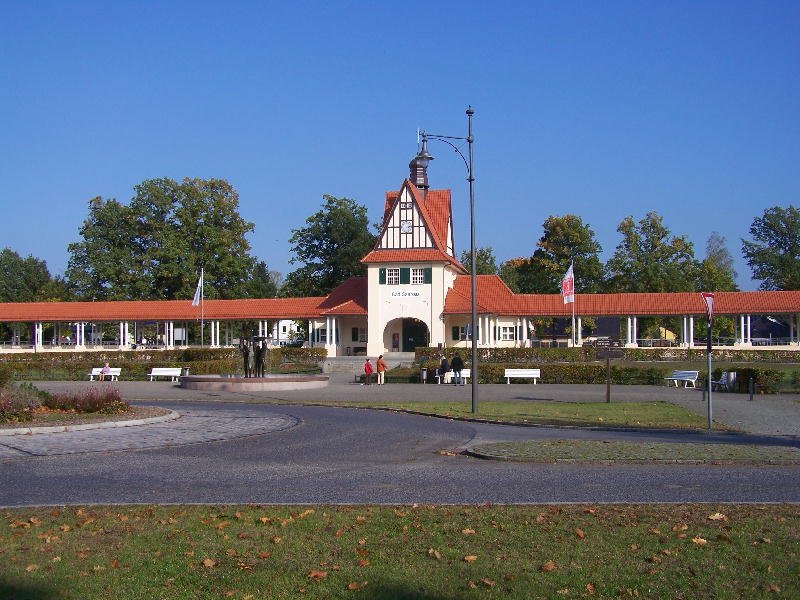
[726, 381]
[172, 372]
[524, 373]
[113, 373]
[448, 377]
[686, 376]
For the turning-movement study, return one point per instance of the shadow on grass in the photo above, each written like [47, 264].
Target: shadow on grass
[398, 591]
[10, 590]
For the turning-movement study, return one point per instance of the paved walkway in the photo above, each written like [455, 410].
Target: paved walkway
[765, 415]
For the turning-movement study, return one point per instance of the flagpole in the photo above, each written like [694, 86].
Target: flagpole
[202, 316]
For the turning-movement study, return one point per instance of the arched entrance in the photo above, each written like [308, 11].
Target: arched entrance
[415, 333]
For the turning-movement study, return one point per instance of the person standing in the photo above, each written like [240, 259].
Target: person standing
[368, 370]
[381, 366]
[458, 366]
[444, 367]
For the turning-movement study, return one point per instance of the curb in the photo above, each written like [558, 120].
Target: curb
[170, 416]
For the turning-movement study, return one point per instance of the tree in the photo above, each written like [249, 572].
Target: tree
[519, 275]
[154, 247]
[263, 283]
[648, 259]
[774, 252]
[330, 248]
[716, 272]
[27, 279]
[484, 258]
[566, 240]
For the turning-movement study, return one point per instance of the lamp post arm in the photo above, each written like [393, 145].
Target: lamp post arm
[444, 138]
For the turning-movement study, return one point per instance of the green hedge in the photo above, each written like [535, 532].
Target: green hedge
[588, 354]
[135, 364]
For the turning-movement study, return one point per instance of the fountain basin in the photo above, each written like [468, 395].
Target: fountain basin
[278, 383]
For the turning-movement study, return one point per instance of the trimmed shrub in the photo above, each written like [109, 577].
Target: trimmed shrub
[18, 403]
[103, 400]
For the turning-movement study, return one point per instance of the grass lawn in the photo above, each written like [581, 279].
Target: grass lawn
[546, 451]
[423, 552]
[661, 415]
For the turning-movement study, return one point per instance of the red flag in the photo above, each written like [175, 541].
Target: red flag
[708, 298]
[568, 286]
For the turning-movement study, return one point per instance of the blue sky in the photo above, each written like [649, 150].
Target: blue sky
[600, 109]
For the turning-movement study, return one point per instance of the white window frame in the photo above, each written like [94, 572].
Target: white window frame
[417, 276]
[507, 333]
[362, 334]
[393, 276]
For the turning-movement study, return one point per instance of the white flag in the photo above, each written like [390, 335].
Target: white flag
[568, 286]
[198, 294]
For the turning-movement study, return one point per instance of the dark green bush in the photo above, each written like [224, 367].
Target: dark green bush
[6, 375]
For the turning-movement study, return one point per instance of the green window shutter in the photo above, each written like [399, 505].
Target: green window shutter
[382, 276]
[405, 275]
[428, 275]
[456, 332]
[355, 334]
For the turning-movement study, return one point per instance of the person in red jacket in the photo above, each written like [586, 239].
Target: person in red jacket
[368, 370]
[381, 365]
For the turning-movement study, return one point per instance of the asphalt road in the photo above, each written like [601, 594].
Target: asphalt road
[328, 455]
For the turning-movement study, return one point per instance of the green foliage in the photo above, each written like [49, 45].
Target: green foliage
[774, 252]
[484, 258]
[567, 239]
[330, 248]
[716, 272]
[767, 381]
[6, 375]
[153, 248]
[27, 280]
[649, 260]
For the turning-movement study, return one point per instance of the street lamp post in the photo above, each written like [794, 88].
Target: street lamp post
[424, 156]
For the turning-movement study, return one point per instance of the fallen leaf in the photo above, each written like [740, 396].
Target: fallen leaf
[434, 553]
[470, 558]
[354, 585]
[362, 542]
[317, 575]
[264, 554]
[362, 552]
[680, 527]
[31, 568]
[467, 531]
[473, 585]
[591, 588]
[654, 531]
[265, 520]
[276, 540]
[209, 563]
[699, 541]
[549, 566]
[230, 552]
[773, 588]
[114, 564]
[361, 518]
[363, 562]
[488, 582]
[580, 533]
[717, 517]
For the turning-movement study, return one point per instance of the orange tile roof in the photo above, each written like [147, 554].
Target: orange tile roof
[409, 255]
[495, 297]
[350, 298]
[161, 310]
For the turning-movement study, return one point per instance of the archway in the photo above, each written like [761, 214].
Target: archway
[415, 333]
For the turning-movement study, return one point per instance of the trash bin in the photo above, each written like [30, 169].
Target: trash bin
[184, 371]
[423, 375]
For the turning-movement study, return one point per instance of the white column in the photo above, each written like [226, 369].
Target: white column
[579, 337]
[127, 335]
[749, 331]
[37, 334]
[628, 333]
